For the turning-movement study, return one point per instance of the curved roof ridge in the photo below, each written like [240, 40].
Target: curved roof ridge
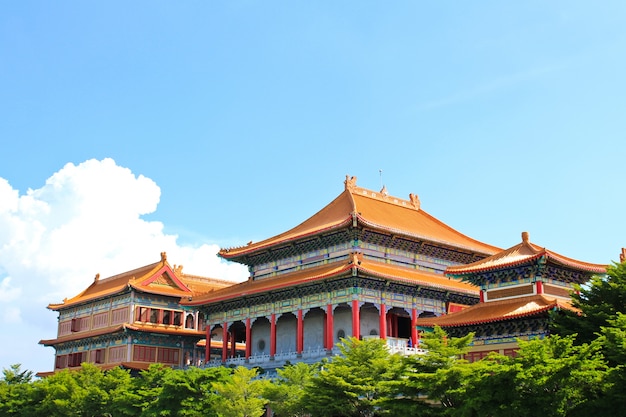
[335, 214]
[494, 311]
[373, 209]
[520, 254]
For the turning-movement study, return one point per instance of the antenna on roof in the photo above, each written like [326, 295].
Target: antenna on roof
[383, 189]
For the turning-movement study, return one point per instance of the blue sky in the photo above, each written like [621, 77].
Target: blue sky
[197, 125]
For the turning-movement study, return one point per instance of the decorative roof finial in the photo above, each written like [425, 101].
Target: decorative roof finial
[163, 256]
[622, 256]
[415, 200]
[525, 237]
[96, 278]
[383, 191]
[350, 183]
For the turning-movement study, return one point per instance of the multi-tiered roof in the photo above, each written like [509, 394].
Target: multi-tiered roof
[544, 280]
[158, 279]
[357, 214]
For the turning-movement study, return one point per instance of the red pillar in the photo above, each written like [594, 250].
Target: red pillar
[330, 341]
[325, 332]
[383, 321]
[414, 327]
[356, 319]
[207, 346]
[248, 338]
[224, 342]
[482, 296]
[300, 334]
[539, 287]
[273, 335]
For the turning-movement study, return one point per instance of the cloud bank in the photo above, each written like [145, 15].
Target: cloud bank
[86, 219]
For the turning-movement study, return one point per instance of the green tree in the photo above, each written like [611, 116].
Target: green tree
[433, 381]
[599, 302]
[557, 377]
[148, 387]
[88, 392]
[353, 383]
[16, 392]
[15, 375]
[613, 340]
[240, 395]
[285, 394]
[189, 392]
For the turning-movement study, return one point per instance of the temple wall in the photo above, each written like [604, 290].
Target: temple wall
[286, 334]
[314, 330]
[370, 322]
[261, 338]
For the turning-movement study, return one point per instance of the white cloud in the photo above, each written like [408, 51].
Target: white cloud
[86, 219]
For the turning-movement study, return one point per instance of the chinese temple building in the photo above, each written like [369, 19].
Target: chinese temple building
[132, 319]
[366, 265]
[519, 287]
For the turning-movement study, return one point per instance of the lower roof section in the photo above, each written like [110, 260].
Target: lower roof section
[137, 327]
[355, 266]
[495, 311]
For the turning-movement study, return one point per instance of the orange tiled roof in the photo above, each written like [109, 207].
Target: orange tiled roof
[520, 254]
[416, 277]
[146, 279]
[373, 210]
[494, 311]
[335, 270]
[82, 335]
[138, 327]
[271, 284]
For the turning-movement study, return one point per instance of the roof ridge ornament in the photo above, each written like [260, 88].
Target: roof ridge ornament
[163, 257]
[622, 256]
[415, 200]
[525, 237]
[97, 277]
[350, 183]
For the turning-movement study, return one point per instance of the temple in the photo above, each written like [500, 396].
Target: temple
[132, 319]
[366, 265]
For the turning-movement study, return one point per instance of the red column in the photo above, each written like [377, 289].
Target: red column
[300, 334]
[482, 296]
[248, 338]
[356, 319]
[273, 335]
[330, 341]
[325, 332]
[539, 287]
[383, 321]
[414, 327]
[207, 346]
[224, 342]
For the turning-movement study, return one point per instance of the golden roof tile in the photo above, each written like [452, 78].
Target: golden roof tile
[336, 270]
[374, 210]
[138, 327]
[520, 254]
[158, 278]
[494, 311]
